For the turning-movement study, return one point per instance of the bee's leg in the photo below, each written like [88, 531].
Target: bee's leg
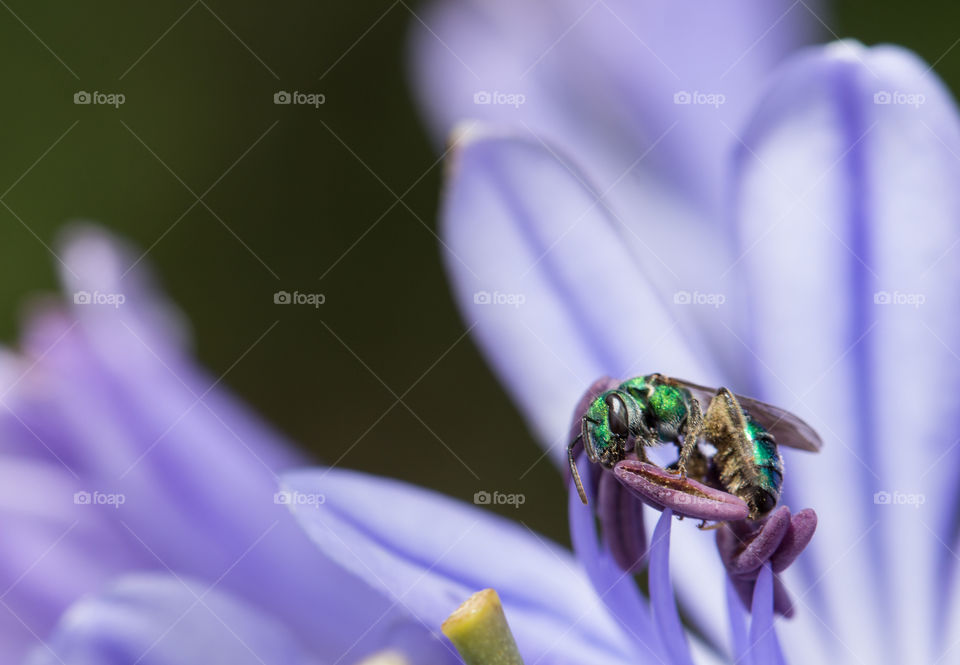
[724, 412]
[703, 526]
[692, 428]
[641, 451]
[643, 438]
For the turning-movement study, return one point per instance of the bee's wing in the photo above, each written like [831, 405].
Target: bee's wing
[785, 427]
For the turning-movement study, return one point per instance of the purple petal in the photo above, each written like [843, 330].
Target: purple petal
[782, 603]
[737, 615]
[53, 549]
[744, 547]
[764, 647]
[600, 80]
[852, 149]
[616, 589]
[665, 614]
[621, 521]
[528, 243]
[798, 536]
[110, 402]
[662, 489]
[762, 544]
[164, 620]
[428, 553]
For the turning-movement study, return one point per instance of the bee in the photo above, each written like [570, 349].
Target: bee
[644, 411]
[745, 433]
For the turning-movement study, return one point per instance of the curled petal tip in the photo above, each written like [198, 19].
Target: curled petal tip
[795, 540]
[745, 552]
[686, 497]
[778, 539]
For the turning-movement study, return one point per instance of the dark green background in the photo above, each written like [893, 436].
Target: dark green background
[199, 98]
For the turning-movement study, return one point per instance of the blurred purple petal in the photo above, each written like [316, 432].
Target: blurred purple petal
[111, 407]
[848, 147]
[626, 89]
[527, 243]
[164, 620]
[428, 553]
[53, 549]
[600, 79]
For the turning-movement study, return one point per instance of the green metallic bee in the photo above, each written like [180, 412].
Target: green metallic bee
[649, 410]
[744, 431]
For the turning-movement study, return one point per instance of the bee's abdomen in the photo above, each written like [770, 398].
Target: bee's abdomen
[766, 458]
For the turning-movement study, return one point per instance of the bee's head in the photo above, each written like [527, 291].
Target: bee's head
[606, 428]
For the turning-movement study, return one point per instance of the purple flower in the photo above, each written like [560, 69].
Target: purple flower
[794, 239]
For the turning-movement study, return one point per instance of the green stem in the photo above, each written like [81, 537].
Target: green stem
[479, 630]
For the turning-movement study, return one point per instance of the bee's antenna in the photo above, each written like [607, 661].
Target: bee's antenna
[574, 471]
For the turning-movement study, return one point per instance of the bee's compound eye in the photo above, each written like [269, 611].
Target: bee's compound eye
[617, 416]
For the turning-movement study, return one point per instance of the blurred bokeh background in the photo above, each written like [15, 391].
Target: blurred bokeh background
[291, 198]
